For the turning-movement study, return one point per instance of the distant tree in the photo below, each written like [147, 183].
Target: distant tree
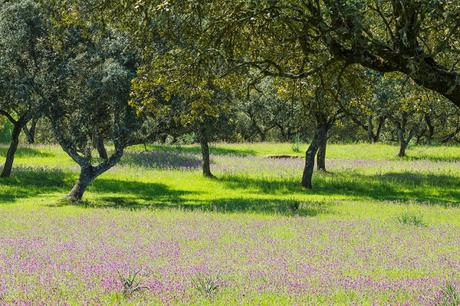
[192, 104]
[268, 114]
[23, 58]
[367, 109]
[405, 107]
[318, 101]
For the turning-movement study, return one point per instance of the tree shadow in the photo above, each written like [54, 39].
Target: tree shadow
[403, 187]
[138, 195]
[138, 191]
[30, 182]
[195, 149]
[263, 206]
[161, 160]
[24, 152]
[426, 157]
[225, 206]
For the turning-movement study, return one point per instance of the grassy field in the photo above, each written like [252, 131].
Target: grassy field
[375, 229]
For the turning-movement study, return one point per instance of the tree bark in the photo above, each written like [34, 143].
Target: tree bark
[87, 175]
[99, 142]
[205, 155]
[431, 128]
[310, 157]
[370, 130]
[8, 166]
[402, 149]
[30, 132]
[321, 156]
[421, 68]
[402, 142]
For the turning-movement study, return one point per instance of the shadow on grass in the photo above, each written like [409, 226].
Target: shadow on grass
[195, 149]
[110, 193]
[138, 191]
[24, 152]
[233, 205]
[433, 158]
[423, 188]
[30, 182]
[161, 160]
[138, 195]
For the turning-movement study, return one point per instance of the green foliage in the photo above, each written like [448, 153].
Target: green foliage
[410, 219]
[207, 286]
[24, 61]
[131, 284]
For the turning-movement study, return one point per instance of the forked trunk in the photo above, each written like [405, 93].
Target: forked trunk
[8, 166]
[30, 132]
[374, 137]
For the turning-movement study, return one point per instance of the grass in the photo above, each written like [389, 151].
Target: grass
[375, 229]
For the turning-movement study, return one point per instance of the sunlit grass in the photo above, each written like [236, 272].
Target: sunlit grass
[353, 211]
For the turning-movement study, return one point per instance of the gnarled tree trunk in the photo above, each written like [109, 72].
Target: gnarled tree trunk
[403, 142]
[374, 137]
[89, 173]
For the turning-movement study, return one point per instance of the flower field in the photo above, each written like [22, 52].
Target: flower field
[153, 231]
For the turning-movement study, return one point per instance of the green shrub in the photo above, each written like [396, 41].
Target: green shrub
[411, 219]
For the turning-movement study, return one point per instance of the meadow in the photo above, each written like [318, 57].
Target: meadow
[376, 229]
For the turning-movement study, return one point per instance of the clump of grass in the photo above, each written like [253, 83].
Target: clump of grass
[131, 284]
[448, 296]
[207, 286]
[411, 219]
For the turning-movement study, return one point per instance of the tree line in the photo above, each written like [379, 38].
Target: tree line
[92, 73]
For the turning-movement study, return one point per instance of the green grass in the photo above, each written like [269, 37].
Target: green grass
[44, 174]
[366, 183]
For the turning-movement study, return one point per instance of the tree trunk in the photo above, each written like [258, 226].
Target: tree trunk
[321, 156]
[310, 157]
[30, 133]
[430, 128]
[402, 143]
[12, 150]
[370, 130]
[402, 149]
[87, 175]
[205, 154]
[99, 142]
